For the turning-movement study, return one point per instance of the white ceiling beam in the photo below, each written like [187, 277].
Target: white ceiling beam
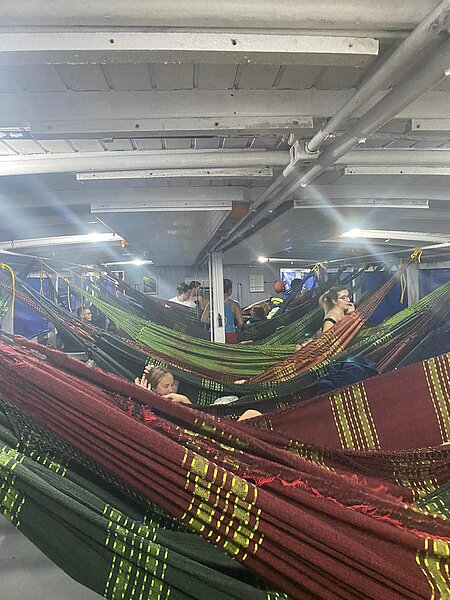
[184, 47]
[172, 127]
[394, 158]
[429, 126]
[400, 170]
[282, 15]
[126, 161]
[24, 108]
[362, 203]
[211, 173]
[136, 195]
[158, 205]
[345, 191]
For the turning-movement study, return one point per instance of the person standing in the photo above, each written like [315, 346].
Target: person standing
[183, 296]
[232, 313]
[196, 297]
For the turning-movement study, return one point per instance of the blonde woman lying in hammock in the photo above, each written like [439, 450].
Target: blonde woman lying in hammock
[162, 382]
[336, 304]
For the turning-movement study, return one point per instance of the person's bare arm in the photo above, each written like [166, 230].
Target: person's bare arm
[205, 318]
[237, 313]
[178, 398]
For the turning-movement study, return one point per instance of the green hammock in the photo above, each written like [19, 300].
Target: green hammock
[117, 545]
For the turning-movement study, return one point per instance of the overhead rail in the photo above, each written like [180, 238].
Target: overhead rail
[91, 162]
[413, 45]
[428, 74]
[127, 161]
[384, 15]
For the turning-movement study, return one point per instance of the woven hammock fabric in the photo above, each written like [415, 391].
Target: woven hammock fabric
[242, 361]
[117, 546]
[119, 357]
[127, 359]
[312, 532]
[406, 408]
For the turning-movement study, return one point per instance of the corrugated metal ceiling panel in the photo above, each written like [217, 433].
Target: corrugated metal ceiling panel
[338, 78]
[83, 78]
[167, 238]
[128, 77]
[298, 77]
[26, 146]
[257, 77]
[174, 77]
[216, 77]
[39, 78]
[88, 145]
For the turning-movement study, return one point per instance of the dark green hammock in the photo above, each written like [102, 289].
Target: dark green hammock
[107, 538]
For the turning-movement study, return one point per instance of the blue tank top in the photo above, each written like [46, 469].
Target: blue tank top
[229, 316]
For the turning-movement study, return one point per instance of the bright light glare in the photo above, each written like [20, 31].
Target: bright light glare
[94, 237]
[353, 233]
[138, 261]
[262, 259]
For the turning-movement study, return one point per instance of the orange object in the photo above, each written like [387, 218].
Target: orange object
[123, 243]
[279, 286]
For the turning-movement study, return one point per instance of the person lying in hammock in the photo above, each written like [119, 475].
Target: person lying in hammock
[336, 304]
[162, 382]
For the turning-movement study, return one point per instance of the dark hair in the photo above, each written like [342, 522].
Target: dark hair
[227, 286]
[80, 310]
[182, 288]
[259, 313]
[326, 300]
[194, 284]
[154, 375]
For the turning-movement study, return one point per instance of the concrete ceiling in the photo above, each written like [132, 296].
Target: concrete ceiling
[170, 110]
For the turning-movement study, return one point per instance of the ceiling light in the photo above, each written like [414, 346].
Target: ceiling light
[381, 234]
[129, 262]
[262, 259]
[61, 240]
[94, 237]
[353, 233]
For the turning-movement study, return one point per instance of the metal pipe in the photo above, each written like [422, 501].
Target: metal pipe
[437, 20]
[251, 14]
[93, 161]
[429, 74]
[191, 159]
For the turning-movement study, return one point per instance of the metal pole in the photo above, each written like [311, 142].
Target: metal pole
[92, 161]
[429, 74]
[403, 57]
[217, 300]
[397, 15]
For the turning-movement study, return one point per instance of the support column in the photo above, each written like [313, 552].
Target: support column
[217, 315]
[7, 324]
[412, 283]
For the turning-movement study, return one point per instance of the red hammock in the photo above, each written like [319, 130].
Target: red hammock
[313, 532]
